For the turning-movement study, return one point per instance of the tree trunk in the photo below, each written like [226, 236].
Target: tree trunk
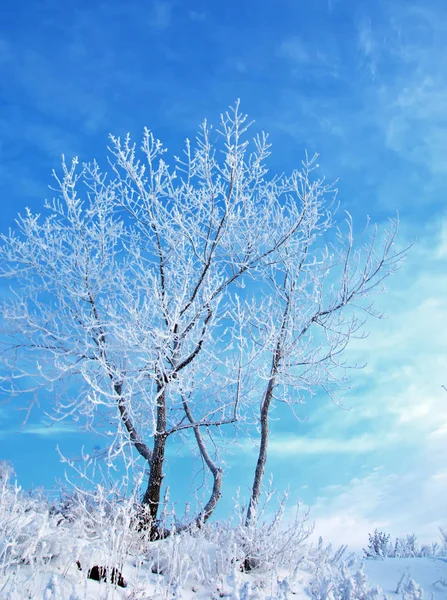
[151, 498]
[262, 455]
[265, 407]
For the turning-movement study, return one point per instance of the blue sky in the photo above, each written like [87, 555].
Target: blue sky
[364, 84]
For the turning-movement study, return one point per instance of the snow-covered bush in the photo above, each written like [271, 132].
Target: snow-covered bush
[407, 547]
[81, 531]
[411, 590]
[321, 556]
[218, 552]
[105, 526]
[443, 541]
[28, 531]
[378, 545]
[42, 542]
[337, 579]
[273, 540]
[430, 550]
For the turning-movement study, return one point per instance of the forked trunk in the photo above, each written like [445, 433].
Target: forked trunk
[154, 458]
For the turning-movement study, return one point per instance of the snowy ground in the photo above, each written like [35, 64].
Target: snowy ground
[427, 572]
[68, 583]
[42, 546]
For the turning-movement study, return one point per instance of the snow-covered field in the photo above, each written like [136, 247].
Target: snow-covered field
[48, 551]
[429, 573]
[66, 582]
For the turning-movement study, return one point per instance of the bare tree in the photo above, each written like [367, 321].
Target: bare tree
[126, 284]
[140, 290]
[317, 288]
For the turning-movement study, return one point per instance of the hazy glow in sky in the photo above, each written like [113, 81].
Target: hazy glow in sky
[365, 85]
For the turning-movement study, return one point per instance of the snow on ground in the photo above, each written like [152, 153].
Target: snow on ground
[427, 572]
[41, 545]
[66, 582]
[58, 583]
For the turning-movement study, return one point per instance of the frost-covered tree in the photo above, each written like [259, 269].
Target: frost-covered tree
[166, 297]
[126, 286]
[312, 308]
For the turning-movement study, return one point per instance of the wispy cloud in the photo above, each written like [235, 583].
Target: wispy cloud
[42, 429]
[400, 406]
[412, 89]
[287, 446]
[367, 44]
[411, 502]
[56, 430]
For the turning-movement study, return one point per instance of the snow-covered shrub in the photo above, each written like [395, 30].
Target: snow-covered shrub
[441, 582]
[407, 547]
[180, 557]
[335, 581]
[273, 539]
[81, 531]
[443, 541]
[337, 576]
[204, 559]
[319, 556]
[411, 590]
[408, 588]
[378, 545]
[217, 553]
[28, 531]
[6, 471]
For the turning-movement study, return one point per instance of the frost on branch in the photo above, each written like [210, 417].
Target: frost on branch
[159, 302]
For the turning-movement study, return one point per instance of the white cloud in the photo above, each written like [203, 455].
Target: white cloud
[286, 446]
[366, 40]
[42, 430]
[56, 430]
[440, 431]
[412, 502]
[403, 400]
